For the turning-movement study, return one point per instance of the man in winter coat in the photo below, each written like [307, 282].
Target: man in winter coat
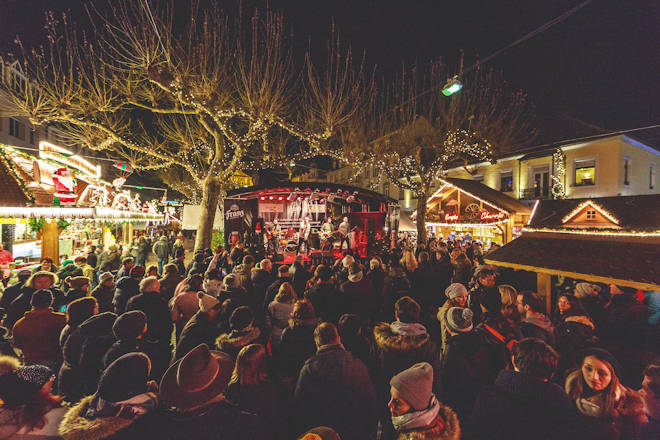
[104, 292]
[401, 344]
[484, 287]
[202, 328]
[299, 276]
[20, 305]
[535, 324]
[359, 295]
[523, 403]
[37, 333]
[110, 260]
[159, 323]
[324, 296]
[162, 251]
[97, 337]
[271, 291]
[127, 288]
[126, 265]
[334, 389]
[13, 291]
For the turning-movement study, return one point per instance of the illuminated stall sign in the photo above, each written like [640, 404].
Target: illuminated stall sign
[490, 216]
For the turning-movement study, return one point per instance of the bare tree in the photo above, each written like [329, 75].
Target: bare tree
[201, 98]
[412, 133]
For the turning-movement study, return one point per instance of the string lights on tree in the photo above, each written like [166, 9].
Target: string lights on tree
[559, 178]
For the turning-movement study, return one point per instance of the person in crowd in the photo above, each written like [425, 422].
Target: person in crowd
[105, 292]
[128, 330]
[396, 286]
[279, 312]
[252, 389]
[29, 409]
[110, 260]
[127, 288]
[334, 389]
[143, 251]
[37, 333]
[423, 281]
[87, 269]
[402, 343]
[261, 278]
[97, 337]
[162, 250]
[650, 393]
[523, 402]
[46, 265]
[77, 312]
[484, 286]
[14, 290]
[457, 296]
[126, 265]
[573, 328]
[171, 278]
[213, 282]
[202, 328]
[244, 272]
[68, 269]
[608, 408]
[180, 262]
[198, 265]
[159, 323]
[534, 323]
[195, 387]
[297, 343]
[152, 271]
[299, 276]
[466, 365]
[38, 281]
[323, 295]
[350, 331]
[408, 262]
[6, 345]
[341, 267]
[359, 295]
[509, 297]
[237, 253]
[462, 269]
[242, 332]
[376, 274]
[184, 306]
[177, 247]
[232, 289]
[78, 288]
[416, 411]
[123, 405]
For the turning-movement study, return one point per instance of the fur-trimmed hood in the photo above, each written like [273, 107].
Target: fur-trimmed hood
[445, 427]
[237, 338]
[389, 341]
[581, 319]
[75, 426]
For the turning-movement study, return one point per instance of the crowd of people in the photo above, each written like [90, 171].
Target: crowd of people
[419, 343]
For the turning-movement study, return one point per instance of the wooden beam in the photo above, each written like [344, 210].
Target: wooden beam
[580, 276]
[50, 240]
[544, 288]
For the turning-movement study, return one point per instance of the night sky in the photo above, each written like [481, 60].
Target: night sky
[602, 64]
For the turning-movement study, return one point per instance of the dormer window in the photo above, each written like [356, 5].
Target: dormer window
[591, 214]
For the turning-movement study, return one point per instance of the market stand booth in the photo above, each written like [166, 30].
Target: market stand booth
[462, 206]
[56, 204]
[610, 240]
[248, 212]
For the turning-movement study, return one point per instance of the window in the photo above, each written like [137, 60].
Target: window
[15, 128]
[506, 181]
[591, 214]
[626, 170]
[652, 176]
[386, 188]
[585, 172]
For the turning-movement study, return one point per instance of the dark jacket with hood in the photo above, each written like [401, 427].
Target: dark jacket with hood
[296, 347]
[104, 296]
[159, 321]
[68, 381]
[127, 288]
[260, 282]
[519, 406]
[97, 336]
[360, 297]
[168, 285]
[232, 342]
[199, 330]
[538, 326]
[326, 300]
[334, 389]
[574, 332]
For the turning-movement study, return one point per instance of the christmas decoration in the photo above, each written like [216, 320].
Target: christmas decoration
[10, 166]
[125, 168]
[559, 163]
[118, 182]
[591, 204]
[65, 187]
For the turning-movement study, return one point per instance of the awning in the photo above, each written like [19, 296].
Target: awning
[405, 222]
[106, 214]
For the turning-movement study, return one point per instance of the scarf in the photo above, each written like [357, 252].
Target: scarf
[407, 328]
[417, 419]
[131, 408]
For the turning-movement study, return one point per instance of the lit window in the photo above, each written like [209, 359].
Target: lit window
[591, 214]
[585, 172]
[506, 182]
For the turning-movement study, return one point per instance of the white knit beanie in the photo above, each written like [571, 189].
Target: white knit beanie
[206, 302]
[455, 290]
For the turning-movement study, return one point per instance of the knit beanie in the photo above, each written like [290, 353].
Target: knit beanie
[415, 385]
[137, 271]
[602, 355]
[17, 387]
[105, 276]
[77, 283]
[241, 318]
[206, 302]
[456, 290]
[124, 378]
[459, 320]
[129, 325]
[583, 290]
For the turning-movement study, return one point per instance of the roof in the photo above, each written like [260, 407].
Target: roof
[617, 261]
[303, 186]
[489, 194]
[12, 194]
[635, 213]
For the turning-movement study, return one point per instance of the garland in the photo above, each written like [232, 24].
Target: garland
[37, 224]
[14, 173]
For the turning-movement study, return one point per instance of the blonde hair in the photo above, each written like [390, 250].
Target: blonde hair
[408, 260]
[508, 294]
[250, 367]
[286, 294]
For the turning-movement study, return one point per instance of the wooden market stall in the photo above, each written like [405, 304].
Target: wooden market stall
[610, 240]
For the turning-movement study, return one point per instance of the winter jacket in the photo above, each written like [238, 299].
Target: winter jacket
[278, 319]
[21, 304]
[168, 284]
[334, 389]
[538, 326]
[393, 289]
[360, 298]
[260, 282]
[161, 249]
[244, 275]
[37, 334]
[326, 299]
[296, 347]
[126, 289]
[232, 342]
[299, 277]
[573, 333]
[424, 290]
[462, 273]
[444, 427]
[10, 294]
[159, 323]
[519, 406]
[269, 401]
[238, 295]
[109, 262]
[68, 381]
[377, 277]
[74, 294]
[97, 336]
[475, 297]
[271, 291]
[394, 352]
[104, 296]
[199, 330]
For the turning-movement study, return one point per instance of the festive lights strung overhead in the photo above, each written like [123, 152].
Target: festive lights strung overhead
[68, 158]
[613, 233]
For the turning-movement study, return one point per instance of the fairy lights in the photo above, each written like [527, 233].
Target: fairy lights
[536, 204]
[592, 204]
[559, 161]
[617, 233]
[68, 158]
[97, 213]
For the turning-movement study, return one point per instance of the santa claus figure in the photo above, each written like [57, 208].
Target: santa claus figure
[65, 187]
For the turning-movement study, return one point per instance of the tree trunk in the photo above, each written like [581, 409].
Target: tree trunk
[210, 199]
[421, 218]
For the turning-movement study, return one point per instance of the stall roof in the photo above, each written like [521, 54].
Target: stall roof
[12, 193]
[302, 186]
[489, 194]
[625, 263]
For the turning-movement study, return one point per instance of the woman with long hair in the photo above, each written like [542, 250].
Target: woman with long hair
[462, 269]
[252, 389]
[297, 343]
[508, 295]
[408, 261]
[608, 408]
[279, 311]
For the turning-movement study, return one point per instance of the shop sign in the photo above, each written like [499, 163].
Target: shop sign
[485, 215]
[234, 212]
[13, 221]
[451, 217]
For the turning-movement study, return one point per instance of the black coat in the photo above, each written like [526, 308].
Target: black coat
[326, 301]
[126, 289]
[159, 320]
[21, 304]
[299, 277]
[334, 389]
[519, 406]
[270, 401]
[360, 298]
[104, 296]
[10, 294]
[97, 337]
[68, 381]
[199, 330]
[296, 347]
[393, 289]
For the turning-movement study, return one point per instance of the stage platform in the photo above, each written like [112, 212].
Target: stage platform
[313, 256]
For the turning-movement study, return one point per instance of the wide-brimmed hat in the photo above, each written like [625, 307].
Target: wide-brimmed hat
[196, 379]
